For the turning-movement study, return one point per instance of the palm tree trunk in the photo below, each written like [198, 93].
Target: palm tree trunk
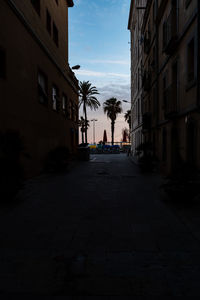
[85, 112]
[112, 130]
[82, 135]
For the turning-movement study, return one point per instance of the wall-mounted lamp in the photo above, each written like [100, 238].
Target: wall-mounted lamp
[125, 101]
[76, 67]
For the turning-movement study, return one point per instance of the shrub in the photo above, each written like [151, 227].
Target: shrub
[11, 171]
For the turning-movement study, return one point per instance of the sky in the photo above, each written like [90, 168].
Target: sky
[99, 43]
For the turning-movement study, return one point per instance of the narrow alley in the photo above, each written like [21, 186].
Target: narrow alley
[100, 229]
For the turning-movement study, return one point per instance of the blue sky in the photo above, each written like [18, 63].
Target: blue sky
[99, 42]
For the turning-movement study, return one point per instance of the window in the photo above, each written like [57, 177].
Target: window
[36, 5]
[170, 29]
[190, 61]
[73, 112]
[175, 77]
[2, 64]
[42, 88]
[48, 21]
[136, 81]
[76, 114]
[191, 139]
[55, 98]
[64, 102]
[55, 34]
[138, 112]
[65, 105]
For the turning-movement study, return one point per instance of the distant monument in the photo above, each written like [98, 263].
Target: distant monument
[104, 137]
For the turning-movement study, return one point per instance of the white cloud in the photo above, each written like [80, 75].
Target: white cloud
[101, 74]
[102, 61]
[119, 91]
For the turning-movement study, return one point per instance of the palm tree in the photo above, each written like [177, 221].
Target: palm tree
[82, 123]
[127, 118]
[87, 92]
[112, 107]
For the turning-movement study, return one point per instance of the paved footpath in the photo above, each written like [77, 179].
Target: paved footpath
[100, 229]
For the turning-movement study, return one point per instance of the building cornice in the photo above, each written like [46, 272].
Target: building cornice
[131, 14]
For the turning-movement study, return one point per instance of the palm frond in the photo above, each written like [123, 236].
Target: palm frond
[112, 107]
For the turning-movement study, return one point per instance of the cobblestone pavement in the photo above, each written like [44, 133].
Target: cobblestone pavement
[100, 229]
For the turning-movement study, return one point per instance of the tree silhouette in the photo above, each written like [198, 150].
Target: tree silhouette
[87, 98]
[81, 124]
[127, 118]
[112, 107]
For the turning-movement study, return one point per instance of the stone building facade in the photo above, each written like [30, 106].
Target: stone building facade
[170, 96]
[38, 90]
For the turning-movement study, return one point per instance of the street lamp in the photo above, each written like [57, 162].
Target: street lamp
[76, 67]
[126, 101]
[94, 120]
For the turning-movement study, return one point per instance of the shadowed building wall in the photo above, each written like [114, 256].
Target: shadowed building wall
[137, 10]
[170, 84]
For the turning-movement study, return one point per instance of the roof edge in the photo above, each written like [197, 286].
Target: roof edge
[130, 14]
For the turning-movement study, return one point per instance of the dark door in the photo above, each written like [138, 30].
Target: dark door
[191, 144]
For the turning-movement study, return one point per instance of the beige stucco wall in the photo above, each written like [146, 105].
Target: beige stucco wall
[41, 128]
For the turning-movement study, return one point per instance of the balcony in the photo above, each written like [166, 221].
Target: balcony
[146, 81]
[170, 32]
[171, 101]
